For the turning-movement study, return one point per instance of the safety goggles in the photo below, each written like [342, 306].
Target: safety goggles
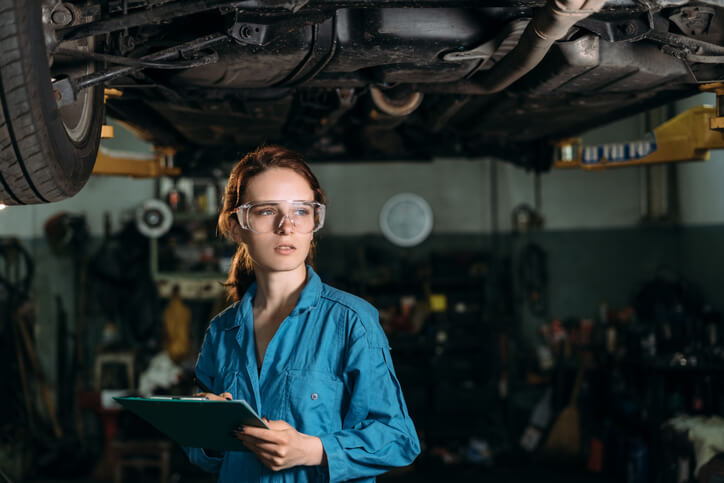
[268, 216]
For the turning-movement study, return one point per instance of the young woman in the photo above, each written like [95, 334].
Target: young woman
[311, 359]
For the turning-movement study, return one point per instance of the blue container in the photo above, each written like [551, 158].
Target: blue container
[638, 463]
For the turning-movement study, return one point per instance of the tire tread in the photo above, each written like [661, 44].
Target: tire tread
[29, 172]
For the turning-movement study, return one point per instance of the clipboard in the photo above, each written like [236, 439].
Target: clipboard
[196, 422]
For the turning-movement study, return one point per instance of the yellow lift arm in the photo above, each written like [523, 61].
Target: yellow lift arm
[110, 163]
[690, 136]
[113, 163]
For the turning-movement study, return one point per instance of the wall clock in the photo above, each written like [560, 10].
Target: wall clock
[406, 219]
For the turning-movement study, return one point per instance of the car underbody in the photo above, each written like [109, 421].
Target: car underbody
[389, 80]
[369, 80]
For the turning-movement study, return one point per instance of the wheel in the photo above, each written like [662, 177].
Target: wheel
[46, 153]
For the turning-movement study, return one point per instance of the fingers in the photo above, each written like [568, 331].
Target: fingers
[271, 455]
[278, 425]
[264, 448]
[250, 439]
[260, 434]
[224, 396]
[272, 460]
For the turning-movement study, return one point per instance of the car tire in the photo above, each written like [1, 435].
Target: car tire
[46, 153]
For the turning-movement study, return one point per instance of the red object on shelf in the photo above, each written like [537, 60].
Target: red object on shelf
[595, 456]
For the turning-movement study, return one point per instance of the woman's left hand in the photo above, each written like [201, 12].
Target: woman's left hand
[281, 446]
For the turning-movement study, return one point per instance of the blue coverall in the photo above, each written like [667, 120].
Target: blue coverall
[327, 372]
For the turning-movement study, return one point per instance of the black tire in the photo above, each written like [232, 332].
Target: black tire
[45, 155]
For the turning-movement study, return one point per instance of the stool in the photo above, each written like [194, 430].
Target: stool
[140, 454]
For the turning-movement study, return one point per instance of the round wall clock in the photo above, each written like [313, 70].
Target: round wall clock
[406, 219]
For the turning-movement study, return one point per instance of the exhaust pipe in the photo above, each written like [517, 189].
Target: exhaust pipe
[550, 24]
[396, 102]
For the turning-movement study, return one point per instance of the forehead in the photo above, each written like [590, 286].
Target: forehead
[278, 184]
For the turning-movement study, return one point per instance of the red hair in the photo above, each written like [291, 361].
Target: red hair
[254, 163]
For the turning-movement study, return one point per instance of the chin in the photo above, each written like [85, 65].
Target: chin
[276, 265]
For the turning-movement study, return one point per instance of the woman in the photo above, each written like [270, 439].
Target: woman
[312, 359]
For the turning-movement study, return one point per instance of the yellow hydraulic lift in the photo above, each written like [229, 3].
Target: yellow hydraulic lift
[690, 136]
[110, 163]
[160, 163]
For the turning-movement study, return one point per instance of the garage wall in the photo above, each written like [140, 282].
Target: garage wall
[700, 184]
[459, 191]
[116, 196]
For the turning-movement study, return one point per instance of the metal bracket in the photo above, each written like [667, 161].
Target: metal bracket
[717, 121]
[693, 20]
[65, 91]
[503, 43]
[629, 30]
[250, 33]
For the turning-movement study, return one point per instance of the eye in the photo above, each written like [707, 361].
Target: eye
[265, 211]
[302, 211]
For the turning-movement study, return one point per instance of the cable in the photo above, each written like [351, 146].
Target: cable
[533, 275]
[5, 477]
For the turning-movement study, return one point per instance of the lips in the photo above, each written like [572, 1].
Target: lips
[285, 249]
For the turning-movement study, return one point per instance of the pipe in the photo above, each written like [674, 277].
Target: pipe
[549, 24]
[398, 104]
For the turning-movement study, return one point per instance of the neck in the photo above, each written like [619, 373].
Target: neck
[278, 291]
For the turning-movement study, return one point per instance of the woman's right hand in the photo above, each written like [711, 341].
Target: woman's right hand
[224, 396]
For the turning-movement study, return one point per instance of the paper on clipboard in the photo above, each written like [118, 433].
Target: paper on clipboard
[196, 422]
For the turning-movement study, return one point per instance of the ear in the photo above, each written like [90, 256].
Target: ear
[236, 232]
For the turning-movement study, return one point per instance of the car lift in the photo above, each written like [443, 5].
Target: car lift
[690, 136]
[111, 163]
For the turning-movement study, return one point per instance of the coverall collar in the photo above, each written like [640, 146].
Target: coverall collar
[308, 299]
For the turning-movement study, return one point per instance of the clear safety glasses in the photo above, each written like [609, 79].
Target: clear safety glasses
[269, 216]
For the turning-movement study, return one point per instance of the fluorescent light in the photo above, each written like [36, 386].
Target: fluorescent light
[2, 206]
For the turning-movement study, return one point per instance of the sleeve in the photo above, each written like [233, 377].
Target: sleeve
[377, 433]
[205, 371]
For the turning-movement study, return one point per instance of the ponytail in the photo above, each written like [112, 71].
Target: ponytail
[239, 272]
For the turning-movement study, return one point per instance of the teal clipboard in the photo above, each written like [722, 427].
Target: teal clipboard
[194, 422]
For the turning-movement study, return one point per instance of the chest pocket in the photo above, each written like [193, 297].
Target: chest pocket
[313, 401]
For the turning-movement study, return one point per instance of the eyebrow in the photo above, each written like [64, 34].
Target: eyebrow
[269, 202]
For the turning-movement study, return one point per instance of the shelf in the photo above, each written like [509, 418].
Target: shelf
[192, 285]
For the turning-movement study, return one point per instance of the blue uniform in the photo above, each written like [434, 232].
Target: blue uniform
[327, 372]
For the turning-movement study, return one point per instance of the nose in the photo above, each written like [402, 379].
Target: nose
[286, 224]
